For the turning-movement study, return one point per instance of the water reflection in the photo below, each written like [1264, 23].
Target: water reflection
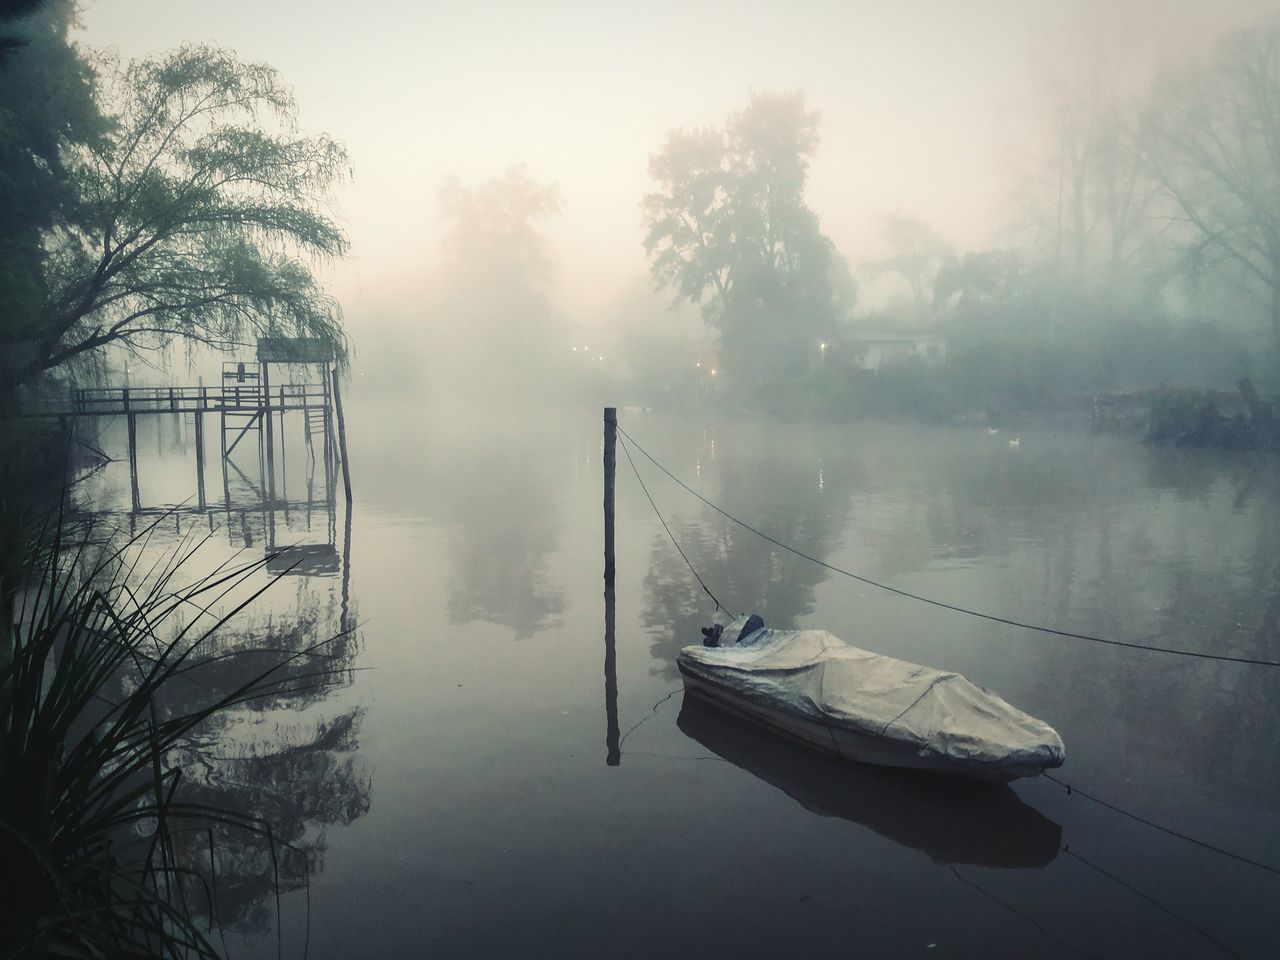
[952, 821]
[287, 763]
[777, 494]
[505, 526]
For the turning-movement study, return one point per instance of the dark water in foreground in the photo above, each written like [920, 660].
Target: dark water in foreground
[453, 795]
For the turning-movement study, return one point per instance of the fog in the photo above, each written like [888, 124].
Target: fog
[932, 109]
[952, 328]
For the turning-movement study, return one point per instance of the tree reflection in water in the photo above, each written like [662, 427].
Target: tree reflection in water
[794, 499]
[285, 766]
[505, 533]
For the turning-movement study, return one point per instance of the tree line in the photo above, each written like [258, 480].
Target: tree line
[1151, 243]
[173, 200]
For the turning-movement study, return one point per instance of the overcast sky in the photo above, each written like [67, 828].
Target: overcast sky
[929, 107]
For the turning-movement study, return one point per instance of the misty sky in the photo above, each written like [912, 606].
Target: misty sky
[929, 107]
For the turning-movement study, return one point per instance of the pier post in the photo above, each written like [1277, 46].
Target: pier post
[199, 418]
[342, 435]
[265, 386]
[133, 455]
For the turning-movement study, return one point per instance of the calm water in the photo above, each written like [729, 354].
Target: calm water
[453, 795]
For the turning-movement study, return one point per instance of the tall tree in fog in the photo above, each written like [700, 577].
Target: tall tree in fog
[1211, 137]
[192, 218]
[492, 303]
[493, 225]
[727, 228]
[917, 251]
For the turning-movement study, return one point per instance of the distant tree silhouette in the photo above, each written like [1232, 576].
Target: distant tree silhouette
[917, 251]
[490, 310]
[728, 228]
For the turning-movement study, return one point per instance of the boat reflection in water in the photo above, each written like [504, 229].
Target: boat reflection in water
[953, 821]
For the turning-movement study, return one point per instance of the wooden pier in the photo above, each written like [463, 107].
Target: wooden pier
[245, 402]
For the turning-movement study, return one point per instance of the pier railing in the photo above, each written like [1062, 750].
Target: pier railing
[114, 401]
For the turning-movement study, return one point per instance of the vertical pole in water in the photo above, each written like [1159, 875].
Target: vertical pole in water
[226, 482]
[270, 435]
[342, 435]
[613, 757]
[284, 462]
[199, 418]
[133, 459]
[610, 464]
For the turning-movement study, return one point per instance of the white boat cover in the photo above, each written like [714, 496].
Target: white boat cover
[820, 677]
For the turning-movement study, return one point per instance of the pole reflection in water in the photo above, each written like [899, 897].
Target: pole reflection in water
[614, 755]
[953, 821]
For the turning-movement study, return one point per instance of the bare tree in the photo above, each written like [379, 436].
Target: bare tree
[1091, 198]
[1211, 140]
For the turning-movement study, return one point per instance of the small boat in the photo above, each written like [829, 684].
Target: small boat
[837, 698]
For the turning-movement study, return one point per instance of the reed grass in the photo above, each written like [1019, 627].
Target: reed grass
[100, 687]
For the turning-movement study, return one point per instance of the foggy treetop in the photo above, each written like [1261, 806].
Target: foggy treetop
[928, 109]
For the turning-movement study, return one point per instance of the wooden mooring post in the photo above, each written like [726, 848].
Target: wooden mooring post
[264, 386]
[610, 465]
[613, 755]
[132, 419]
[199, 418]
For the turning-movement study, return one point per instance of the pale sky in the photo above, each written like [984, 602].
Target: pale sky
[929, 107]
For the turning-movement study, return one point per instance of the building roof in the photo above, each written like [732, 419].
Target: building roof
[294, 350]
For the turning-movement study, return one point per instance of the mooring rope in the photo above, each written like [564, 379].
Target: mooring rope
[701, 582]
[1155, 826]
[915, 596]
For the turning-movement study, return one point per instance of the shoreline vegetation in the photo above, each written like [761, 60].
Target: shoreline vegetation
[118, 658]
[1184, 416]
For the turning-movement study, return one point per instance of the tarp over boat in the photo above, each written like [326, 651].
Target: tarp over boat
[937, 715]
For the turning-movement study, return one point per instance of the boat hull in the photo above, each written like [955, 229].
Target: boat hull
[842, 742]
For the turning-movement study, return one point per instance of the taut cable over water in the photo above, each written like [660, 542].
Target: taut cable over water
[1196, 654]
[627, 441]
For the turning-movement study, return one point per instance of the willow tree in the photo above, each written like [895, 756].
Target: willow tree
[196, 217]
[727, 228]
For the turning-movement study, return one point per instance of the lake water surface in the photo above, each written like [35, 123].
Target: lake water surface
[456, 794]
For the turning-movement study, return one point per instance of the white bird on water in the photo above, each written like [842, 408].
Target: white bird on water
[993, 430]
[1015, 443]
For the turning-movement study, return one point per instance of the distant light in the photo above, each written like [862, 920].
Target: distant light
[824, 347]
[713, 371]
[699, 363]
[575, 349]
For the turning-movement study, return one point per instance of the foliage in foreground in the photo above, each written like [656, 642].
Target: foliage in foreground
[191, 215]
[101, 688]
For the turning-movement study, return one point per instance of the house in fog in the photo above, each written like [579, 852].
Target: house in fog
[873, 349]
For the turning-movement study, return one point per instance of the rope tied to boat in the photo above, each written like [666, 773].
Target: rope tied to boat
[1269, 868]
[702, 583]
[1039, 628]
